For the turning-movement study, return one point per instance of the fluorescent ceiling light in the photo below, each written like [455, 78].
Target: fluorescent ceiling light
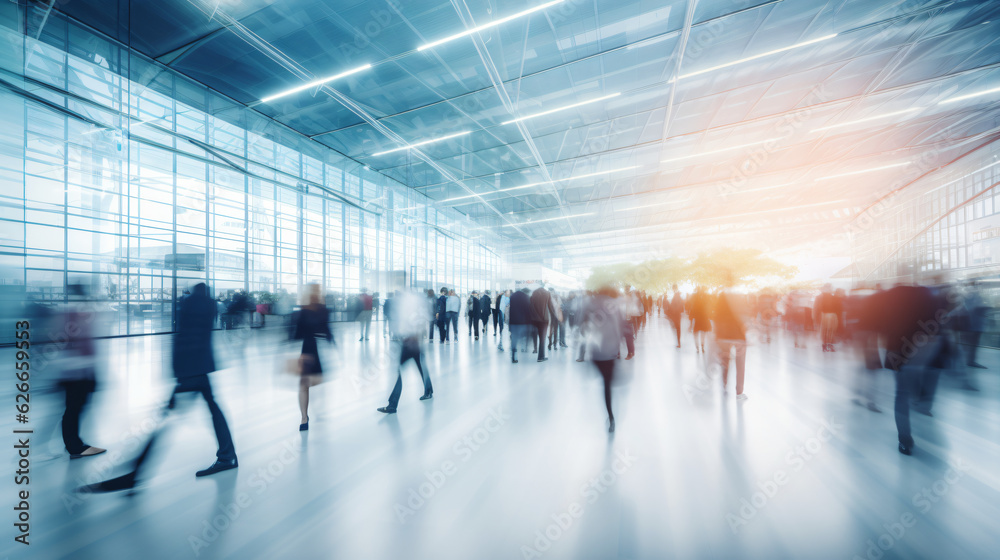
[486, 26]
[651, 205]
[549, 219]
[541, 183]
[431, 141]
[722, 150]
[970, 96]
[550, 111]
[866, 119]
[315, 83]
[755, 57]
[863, 171]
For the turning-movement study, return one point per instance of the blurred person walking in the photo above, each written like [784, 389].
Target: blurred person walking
[502, 310]
[603, 322]
[472, 312]
[485, 310]
[700, 315]
[674, 309]
[193, 360]
[541, 310]
[409, 319]
[520, 321]
[828, 310]
[441, 315]
[731, 338]
[311, 322]
[496, 314]
[365, 313]
[902, 311]
[77, 367]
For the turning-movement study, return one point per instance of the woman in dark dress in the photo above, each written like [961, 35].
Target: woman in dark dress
[311, 323]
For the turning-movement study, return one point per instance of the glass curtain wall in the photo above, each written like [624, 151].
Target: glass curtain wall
[121, 175]
[947, 221]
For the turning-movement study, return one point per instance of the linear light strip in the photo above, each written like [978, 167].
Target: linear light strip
[723, 150]
[541, 183]
[756, 56]
[550, 219]
[486, 26]
[556, 110]
[969, 96]
[654, 204]
[431, 141]
[863, 171]
[315, 83]
[866, 119]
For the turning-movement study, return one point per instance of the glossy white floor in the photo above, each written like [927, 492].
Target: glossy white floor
[797, 471]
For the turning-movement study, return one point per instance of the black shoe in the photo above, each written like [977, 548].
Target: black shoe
[579, 359]
[218, 466]
[477, 338]
[305, 426]
[611, 428]
[542, 359]
[427, 396]
[513, 361]
[124, 482]
[977, 365]
[88, 451]
[535, 351]
[387, 410]
[905, 449]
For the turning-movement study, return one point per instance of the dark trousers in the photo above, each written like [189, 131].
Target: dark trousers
[972, 341]
[452, 318]
[201, 384]
[496, 319]
[909, 378]
[474, 323]
[486, 324]
[442, 324]
[540, 328]
[409, 353]
[433, 324]
[197, 384]
[607, 369]
[518, 333]
[77, 394]
[499, 317]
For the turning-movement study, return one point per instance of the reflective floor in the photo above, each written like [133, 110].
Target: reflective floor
[515, 461]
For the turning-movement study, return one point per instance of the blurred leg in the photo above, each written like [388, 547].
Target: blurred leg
[741, 360]
[722, 356]
[77, 393]
[227, 451]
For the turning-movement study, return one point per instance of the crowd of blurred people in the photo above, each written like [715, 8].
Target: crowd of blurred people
[918, 332]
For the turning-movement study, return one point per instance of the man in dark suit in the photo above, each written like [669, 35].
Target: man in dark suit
[519, 319]
[541, 310]
[441, 315]
[485, 310]
[193, 360]
[910, 321]
[472, 310]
